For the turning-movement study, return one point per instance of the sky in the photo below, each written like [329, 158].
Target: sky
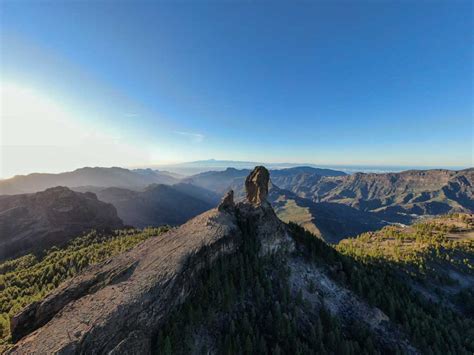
[137, 83]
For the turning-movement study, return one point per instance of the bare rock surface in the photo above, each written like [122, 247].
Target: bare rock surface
[256, 185]
[344, 304]
[117, 306]
[34, 222]
[122, 301]
[227, 203]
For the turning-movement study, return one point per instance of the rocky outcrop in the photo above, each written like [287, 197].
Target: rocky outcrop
[118, 306]
[34, 222]
[397, 197]
[256, 185]
[227, 203]
[96, 311]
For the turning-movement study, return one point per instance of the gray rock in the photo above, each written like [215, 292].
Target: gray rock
[34, 222]
[227, 203]
[117, 306]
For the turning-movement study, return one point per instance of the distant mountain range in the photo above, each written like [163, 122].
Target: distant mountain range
[200, 166]
[159, 204]
[329, 221]
[237, 280]
[91, 177]
[396, 197]
[37, 221]
[335, 205]
[221, 181]
[330, 203]
[34, 222]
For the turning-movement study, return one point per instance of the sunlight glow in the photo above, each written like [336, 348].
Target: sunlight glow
[38, 134]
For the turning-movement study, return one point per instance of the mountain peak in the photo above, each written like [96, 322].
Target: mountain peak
[154, 275]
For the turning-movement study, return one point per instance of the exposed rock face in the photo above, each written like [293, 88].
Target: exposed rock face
[396, 196]
[117, 306]
[393, 197]
[344, 304]
[34, 222]
[256, 185]
[227, 203]
[96, 311]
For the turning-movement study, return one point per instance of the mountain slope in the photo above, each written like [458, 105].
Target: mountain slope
[159, 204]
[329, 221]
[96, 177]
[34, 222]
[30, 278]
[237, 280]
[221, 181]
[398, 197]
[439, 251]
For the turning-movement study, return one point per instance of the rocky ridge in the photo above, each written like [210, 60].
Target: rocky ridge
[119, 304]
[34, 222]
[158, 204]
[397, 197]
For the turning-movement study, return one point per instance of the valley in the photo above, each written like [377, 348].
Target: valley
[395, 289]
[236, 177]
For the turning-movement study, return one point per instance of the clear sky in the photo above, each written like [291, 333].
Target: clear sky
[102, 83]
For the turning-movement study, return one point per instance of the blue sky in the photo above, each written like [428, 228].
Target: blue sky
[330, 82]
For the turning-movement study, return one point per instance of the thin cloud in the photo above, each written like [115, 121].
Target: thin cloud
[195, 137]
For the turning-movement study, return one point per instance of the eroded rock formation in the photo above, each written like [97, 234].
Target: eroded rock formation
[227, 203]
[97, 311]
[256, 185]
[33, 222]
[118, 306]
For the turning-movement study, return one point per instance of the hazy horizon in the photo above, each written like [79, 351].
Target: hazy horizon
[194, 167]
[129, 84]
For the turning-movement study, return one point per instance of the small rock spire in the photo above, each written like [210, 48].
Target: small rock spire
[227, 202]
[256, 185]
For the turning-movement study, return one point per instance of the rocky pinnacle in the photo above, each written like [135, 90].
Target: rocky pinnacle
[256, 185]
[227, 203]
[117, 306]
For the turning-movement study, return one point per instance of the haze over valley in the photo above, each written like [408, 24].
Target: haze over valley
[236, 177]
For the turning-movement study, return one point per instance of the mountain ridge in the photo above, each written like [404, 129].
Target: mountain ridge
[236, 279]
[33, 222]
[97, 176]
[158, 204]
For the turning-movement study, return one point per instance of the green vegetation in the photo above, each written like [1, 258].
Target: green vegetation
[242, 304]
[426, 250]
[31, 278]
[382, 266]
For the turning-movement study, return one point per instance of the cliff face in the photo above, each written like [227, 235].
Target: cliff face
[118, 305]
[34, 222]
[396, 196]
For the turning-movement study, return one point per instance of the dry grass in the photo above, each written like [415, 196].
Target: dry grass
[291, 212]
